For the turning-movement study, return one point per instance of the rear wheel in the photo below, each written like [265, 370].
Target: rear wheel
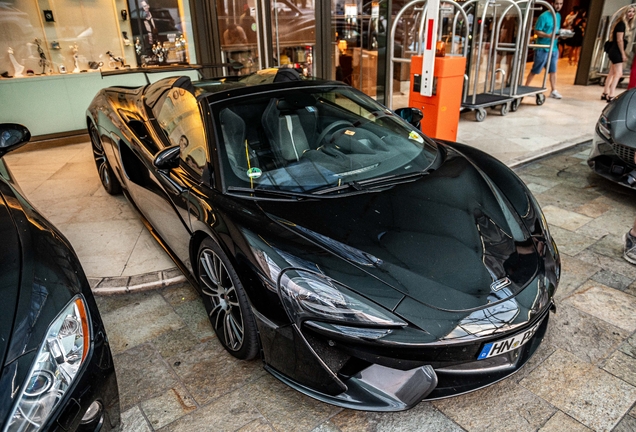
[226, 302]
[503, 110]
[480, 114]
[514, 105]
[106, 174]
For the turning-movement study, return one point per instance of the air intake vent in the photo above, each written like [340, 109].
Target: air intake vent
[625, 153]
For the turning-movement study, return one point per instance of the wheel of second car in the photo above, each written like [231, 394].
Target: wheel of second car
[514, 105]
[503, 110]
[540, 98]
[228, 309]
[106, 174]
[480, 115]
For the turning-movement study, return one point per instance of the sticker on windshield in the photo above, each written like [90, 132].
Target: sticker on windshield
[254, 173]
[349, 132]
[415, 136]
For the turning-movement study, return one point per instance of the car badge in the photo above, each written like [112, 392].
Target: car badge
[254, 172]
[499, 284]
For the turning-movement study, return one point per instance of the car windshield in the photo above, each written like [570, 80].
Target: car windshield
[315, 138]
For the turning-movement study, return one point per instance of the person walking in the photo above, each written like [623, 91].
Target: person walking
[575, 42]
[544, 28]
[567, 24]
[616, 52]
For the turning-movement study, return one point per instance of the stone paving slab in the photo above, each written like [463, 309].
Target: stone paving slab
[174, 375]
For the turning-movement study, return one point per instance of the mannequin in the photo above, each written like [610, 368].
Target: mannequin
[74, 48]
[17, 67]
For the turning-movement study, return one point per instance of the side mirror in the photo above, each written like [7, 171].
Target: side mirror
[412, 115]
[168, 158]
[12, 136]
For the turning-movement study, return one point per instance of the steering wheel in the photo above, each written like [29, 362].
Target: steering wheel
[339, 124]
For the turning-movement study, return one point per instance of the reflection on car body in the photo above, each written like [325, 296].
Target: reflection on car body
[331, 237]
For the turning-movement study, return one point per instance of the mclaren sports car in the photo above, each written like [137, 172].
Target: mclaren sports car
[368, 265]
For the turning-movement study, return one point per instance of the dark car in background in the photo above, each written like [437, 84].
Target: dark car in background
[614, 144]
[369, 266]
[57, 371]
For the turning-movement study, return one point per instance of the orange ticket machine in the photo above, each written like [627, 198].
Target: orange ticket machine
[441, 111]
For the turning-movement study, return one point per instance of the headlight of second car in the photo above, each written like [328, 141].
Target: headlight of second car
[311, 296]
[56, 365]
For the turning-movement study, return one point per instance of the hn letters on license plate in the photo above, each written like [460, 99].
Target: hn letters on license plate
[503, 346]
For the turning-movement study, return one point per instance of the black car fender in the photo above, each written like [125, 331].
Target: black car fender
[519, 196]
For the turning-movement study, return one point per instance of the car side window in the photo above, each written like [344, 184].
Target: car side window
[180, 119]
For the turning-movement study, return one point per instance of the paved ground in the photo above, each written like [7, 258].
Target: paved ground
[174, 375]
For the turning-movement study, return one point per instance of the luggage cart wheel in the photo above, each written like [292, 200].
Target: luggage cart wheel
[514, 105]
[540, 98]
[480, 114]
[503, 110]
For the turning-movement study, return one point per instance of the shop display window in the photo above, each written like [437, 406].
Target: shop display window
[46, 37]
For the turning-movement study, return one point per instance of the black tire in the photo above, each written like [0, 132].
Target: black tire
[228, 309]
[514, 105]
[540, 98]
[105, 172]
[480, 114]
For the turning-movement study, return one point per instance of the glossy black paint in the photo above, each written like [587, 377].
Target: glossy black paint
[429, 250]
[614, 144]
[39, 275]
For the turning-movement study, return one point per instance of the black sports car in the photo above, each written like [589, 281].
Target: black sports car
[614, 144]
[57, 370]
[370, 266]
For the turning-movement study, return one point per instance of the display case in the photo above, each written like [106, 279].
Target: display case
[51, 37]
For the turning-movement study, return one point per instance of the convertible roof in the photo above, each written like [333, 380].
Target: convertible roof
[220, 88]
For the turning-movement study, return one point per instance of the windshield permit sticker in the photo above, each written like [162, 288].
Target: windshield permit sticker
[254, 173]
[415, 136]
[310, 109]
[349, 132]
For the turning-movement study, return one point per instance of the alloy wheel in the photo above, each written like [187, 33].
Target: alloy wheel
[225, 314]
[104, 171]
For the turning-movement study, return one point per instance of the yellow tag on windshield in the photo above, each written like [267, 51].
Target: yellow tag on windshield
[350, 133]
[416, 137]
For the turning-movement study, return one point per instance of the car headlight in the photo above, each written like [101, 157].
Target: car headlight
[56, 365]
[308, 295]
[604, 126]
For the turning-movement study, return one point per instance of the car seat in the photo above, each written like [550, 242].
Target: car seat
[289, 127]
[236, 147]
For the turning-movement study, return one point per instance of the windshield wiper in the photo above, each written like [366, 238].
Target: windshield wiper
[373, 183]
[279, 193]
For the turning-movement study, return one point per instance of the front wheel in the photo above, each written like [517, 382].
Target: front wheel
[540, 98]
[228, 309]
[503, 110]
[106, 174]
[480, 115]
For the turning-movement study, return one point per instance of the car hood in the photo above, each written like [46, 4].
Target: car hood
[450, 241]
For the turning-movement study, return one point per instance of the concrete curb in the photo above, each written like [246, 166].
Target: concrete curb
[547, 151]
[142, 282]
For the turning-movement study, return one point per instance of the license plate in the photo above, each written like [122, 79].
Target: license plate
[503, 346]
